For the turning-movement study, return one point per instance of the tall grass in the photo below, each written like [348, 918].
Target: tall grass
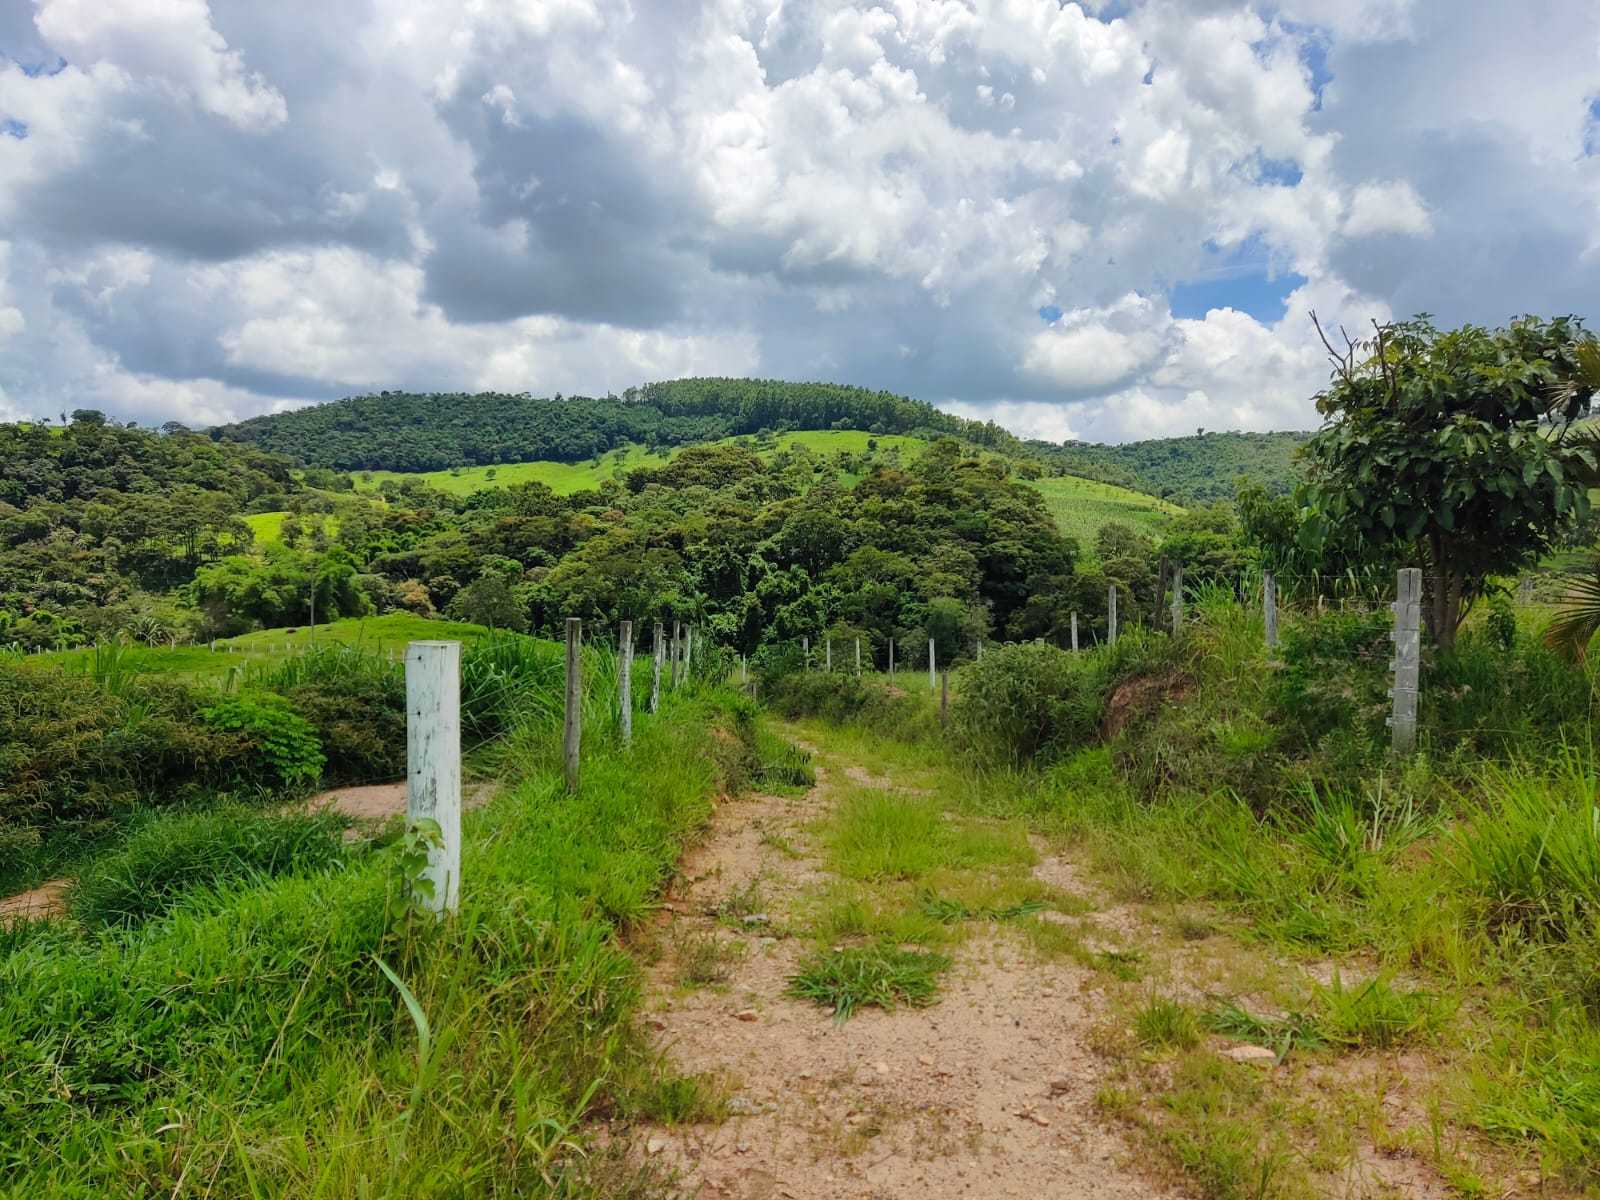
[256, 1046]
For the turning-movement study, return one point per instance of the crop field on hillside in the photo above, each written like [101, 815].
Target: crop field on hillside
[1081, 506]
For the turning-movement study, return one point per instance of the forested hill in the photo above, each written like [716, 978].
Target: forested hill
[1188, 470]
[405, 431]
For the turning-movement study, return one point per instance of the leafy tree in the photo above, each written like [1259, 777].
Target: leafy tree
[1456, 446]
[490, 600]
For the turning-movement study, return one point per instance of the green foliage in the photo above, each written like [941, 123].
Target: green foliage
[171, 856]
[881, 975]
[1188, 470]
[1025, 702]
[1436, 441]
[355, 699]
[417, 889]
[403, 431]
[286, 741]
[1162, 1023]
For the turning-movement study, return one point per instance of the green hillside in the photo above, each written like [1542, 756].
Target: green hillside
[1081, 506]
[1187, 470]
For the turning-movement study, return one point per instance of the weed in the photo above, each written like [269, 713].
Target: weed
[1164, 1024]
[883, 975]
[1374, 1014]
[703, 958]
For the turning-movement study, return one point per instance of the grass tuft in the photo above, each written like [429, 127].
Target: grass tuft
[881, 975]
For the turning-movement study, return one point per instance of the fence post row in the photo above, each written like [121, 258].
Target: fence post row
[1269, 608]
[1111, 616]
[625, 682]
[1407, 637]
[574, 733]
[655, 669]
[433, 762]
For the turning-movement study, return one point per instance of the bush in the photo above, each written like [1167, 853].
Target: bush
[175, 853]
[1025, 702]
[285, 742]
[356, 701]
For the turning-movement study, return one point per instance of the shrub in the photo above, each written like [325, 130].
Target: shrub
[1027, 701]
[284, 741]
[356, 701]
[173, 854]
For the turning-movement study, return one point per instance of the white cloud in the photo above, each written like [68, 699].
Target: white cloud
[173, 41]
[1391, 207]
[224, 208]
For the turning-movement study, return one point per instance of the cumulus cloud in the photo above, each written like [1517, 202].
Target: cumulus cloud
[1002, 206]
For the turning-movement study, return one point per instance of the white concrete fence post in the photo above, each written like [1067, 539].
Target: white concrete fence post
[891, 658]
[1269, 608]
[1111, 616]
[1407, 664]
[933, 682]
[572, 738]
[625, 681]
[827, 655]
[1177, 599]
[688, 650]
[805, 651]
[1074, 632]
[655, 669]
[433, 761]
[858, 656]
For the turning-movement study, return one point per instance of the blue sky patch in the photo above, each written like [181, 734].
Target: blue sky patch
[1591, 137]
[1243, 278]
[11, 127]
[1050, 313]
[1283, 171]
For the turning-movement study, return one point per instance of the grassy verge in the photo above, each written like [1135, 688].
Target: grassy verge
[294, 1035]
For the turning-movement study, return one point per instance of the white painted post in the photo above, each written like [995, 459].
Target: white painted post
[573, 734]
[891, 658]
[1177, 599]
[933, 683]
[1111, 616]
[655, 669]
[1074, 632]
[625, 681]
[827, 656]
[1407, 662]
[858, 656]
[677, 652]
[1269, 608]
[688, 650]
[433, 761]
[805, 651]
[980, 649]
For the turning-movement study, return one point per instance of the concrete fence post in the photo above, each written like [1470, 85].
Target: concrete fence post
[827, 655]
[933, 682]
[891, 658]
[1177, 599]
[1074, 632]
[433, 761]
[1111, 616]
[805, 651]
[688, 651]
[655, 669]
[573, 734]
[1269, 608]
[1407, 664]
[858, 656]
[625, 681]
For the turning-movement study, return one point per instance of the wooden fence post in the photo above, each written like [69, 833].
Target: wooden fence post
[1407, 662]
[625, 681]
[1269, 608]
[655, 670]
[1177, 599]
[433, 761]
[1074, 632]
[574, 728]
[1111, 616]
[933, 682]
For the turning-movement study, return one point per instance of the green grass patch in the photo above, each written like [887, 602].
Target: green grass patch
[884, 835]
[1081, 506]
[1162, 1023]
[883, 975]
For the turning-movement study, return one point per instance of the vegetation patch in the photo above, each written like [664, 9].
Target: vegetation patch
[881, 975]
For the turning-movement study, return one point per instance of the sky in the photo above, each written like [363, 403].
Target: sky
[1104, 220]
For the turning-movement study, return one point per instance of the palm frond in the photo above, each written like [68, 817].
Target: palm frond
[1579, 620]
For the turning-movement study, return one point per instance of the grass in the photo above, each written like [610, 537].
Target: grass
[878, 835]
[292, 1036]
[1081, 506]
[881, 975]
[1164, 1024]
[387, 634]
